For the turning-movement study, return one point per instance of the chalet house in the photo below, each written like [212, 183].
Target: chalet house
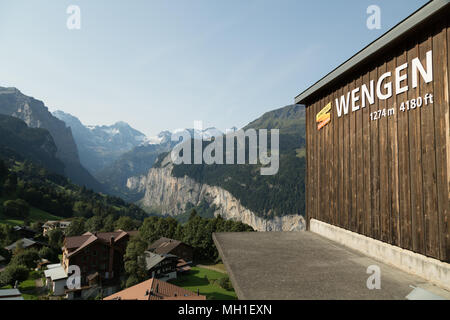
[161, 266]
[52, 225]
[155, 289]
[96, 254]
[175, 247]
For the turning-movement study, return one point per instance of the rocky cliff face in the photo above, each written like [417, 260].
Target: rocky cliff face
[169, 195]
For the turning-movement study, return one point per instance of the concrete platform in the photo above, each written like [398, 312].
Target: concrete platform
[306, 266]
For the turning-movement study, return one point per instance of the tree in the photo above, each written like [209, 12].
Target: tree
[108, 223]
[16, 208]
[94, 224]
[36, 226]
[132, 280]
[13, 273]
[55, 238]
[82, 209]
[7, 235]
[10, 184]
[49, 254]
[27, 258]
[225, 283]
[76, 228]
[135, 261]
[148, 229]
[125, 224]
[3, 173]
[193, 214]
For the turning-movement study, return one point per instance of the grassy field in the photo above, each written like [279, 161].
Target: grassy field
[199, 278]
[28, 289]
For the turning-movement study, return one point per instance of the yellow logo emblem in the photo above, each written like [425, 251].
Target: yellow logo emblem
[324, 116]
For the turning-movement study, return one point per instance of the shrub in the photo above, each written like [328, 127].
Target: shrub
[27, 258]
[49, 254]
[34, 275]
[131, 281]
[225, 283]
[13, 273]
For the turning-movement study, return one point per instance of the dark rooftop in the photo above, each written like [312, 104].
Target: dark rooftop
[164, 245]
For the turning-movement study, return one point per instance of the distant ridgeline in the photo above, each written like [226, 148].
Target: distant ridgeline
[267, 196]
[20, 142]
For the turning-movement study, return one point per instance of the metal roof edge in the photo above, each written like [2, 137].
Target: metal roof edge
[394, 33]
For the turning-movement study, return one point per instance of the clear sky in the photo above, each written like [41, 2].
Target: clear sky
[161, 64]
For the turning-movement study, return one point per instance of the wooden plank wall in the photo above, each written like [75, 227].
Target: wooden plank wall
[387, 179]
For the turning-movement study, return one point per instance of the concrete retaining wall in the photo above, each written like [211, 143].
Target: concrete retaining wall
[430, 269]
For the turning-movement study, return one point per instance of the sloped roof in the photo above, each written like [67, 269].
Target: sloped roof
[10, 294]
[80, 242]
[56, 273]
[152, 259]
[76, 242]
[155, 289]
[164, 245]
[88, 241]
[25, 244]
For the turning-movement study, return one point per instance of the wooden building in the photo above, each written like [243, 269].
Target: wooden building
[161, 266]
[378, 138]
[96, 254]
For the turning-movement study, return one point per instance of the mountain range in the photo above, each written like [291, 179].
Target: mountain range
[36, 115]
[126, 163]
[100, 146]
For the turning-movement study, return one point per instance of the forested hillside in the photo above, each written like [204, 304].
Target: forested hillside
[23, 143]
